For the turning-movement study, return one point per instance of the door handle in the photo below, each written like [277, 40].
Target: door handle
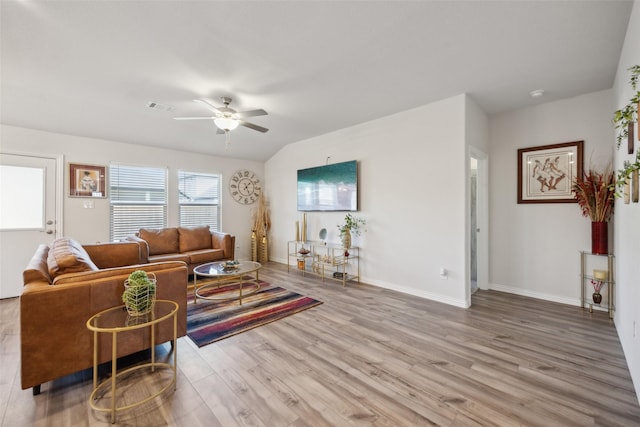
[49, 231]
[50, 222]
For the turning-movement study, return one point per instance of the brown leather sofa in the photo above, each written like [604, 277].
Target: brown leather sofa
[64, 285]
[192, 245]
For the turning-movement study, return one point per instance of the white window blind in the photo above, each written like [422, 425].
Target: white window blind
[199, 198]
[138, 199]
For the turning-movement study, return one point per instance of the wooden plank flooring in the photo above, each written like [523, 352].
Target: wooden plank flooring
[367, 357]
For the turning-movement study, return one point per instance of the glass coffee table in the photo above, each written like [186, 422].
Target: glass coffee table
[231, 281]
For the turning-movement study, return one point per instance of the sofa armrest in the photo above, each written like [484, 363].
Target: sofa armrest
[144, 247]
[224, 241]
[118, 254]
[37, 269]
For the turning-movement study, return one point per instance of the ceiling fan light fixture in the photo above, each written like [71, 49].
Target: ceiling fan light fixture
[226, 123]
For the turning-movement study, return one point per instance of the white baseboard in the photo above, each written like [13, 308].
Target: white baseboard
[404, 290]
[422, 294]
[539, 295]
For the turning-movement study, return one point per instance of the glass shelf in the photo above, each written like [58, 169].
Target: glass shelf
[607, 302]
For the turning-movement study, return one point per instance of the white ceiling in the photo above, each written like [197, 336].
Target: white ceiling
[90, 68]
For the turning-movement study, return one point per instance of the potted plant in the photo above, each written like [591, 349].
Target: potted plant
[624, 118]
[139, 293]
[595, 193]
[353, 225]
[629, 170]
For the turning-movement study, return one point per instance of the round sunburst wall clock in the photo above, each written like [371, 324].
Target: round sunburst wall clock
[245, 187]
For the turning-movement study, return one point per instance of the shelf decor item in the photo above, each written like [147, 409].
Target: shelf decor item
[600, 275]
[597, 297]
[595, 192]
[351, 224]
[139, 293]
[345, 238]
[597, 285]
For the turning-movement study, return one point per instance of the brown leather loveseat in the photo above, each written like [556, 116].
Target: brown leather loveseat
[65, 284]
[192, 245]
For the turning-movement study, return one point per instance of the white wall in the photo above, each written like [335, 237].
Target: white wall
[627, 218]
[534, 248]
[413, 170]
[92, 225]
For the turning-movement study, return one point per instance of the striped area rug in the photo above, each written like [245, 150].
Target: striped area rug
[210, 321]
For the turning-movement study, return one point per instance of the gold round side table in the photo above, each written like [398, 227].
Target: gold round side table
[114, 321]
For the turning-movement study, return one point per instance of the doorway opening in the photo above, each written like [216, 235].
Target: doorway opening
[473, 241]
[478, 223]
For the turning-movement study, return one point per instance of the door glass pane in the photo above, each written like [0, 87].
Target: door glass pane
[22, 198]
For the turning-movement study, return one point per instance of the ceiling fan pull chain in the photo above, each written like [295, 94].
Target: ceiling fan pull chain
[227, 135]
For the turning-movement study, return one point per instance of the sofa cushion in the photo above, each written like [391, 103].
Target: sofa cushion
[194, 238]
[162, 241]
[205, 255]
[169, 257]
[68, 256]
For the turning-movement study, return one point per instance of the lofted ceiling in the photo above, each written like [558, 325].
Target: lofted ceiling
[90, 68]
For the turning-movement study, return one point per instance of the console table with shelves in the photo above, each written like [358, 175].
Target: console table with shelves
[588, 263]
[325, 260]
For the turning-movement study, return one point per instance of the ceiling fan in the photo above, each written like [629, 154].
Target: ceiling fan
[226, 118]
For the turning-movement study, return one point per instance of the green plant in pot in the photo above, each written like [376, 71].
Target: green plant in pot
[595, 193]
[139, 293]
[351, 225]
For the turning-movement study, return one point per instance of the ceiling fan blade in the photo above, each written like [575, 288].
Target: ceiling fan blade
[251, 113]
[252, 126]
[194, 118]
[219, 131]
[208, 105]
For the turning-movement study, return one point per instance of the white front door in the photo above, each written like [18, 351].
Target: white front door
[27, 214]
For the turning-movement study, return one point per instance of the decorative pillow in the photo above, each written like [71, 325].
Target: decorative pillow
[68, 256]
[161, 241]
[194, 238]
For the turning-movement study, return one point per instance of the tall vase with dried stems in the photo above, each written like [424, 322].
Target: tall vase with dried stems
[260, 229]
[595, 193]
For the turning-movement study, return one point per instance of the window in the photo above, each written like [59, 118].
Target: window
[138, 199]
[22, 206]
[199, 198]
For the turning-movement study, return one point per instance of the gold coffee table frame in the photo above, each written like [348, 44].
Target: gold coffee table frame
[116, 320]
[216, 270]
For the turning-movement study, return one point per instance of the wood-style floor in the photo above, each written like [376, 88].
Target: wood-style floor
[369, 357]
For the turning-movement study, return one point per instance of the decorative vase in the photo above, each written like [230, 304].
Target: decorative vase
[597, 297]
[345, 237]
[599, 238]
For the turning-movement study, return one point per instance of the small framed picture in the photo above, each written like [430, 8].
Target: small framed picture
[546, 173]
[87, 181]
